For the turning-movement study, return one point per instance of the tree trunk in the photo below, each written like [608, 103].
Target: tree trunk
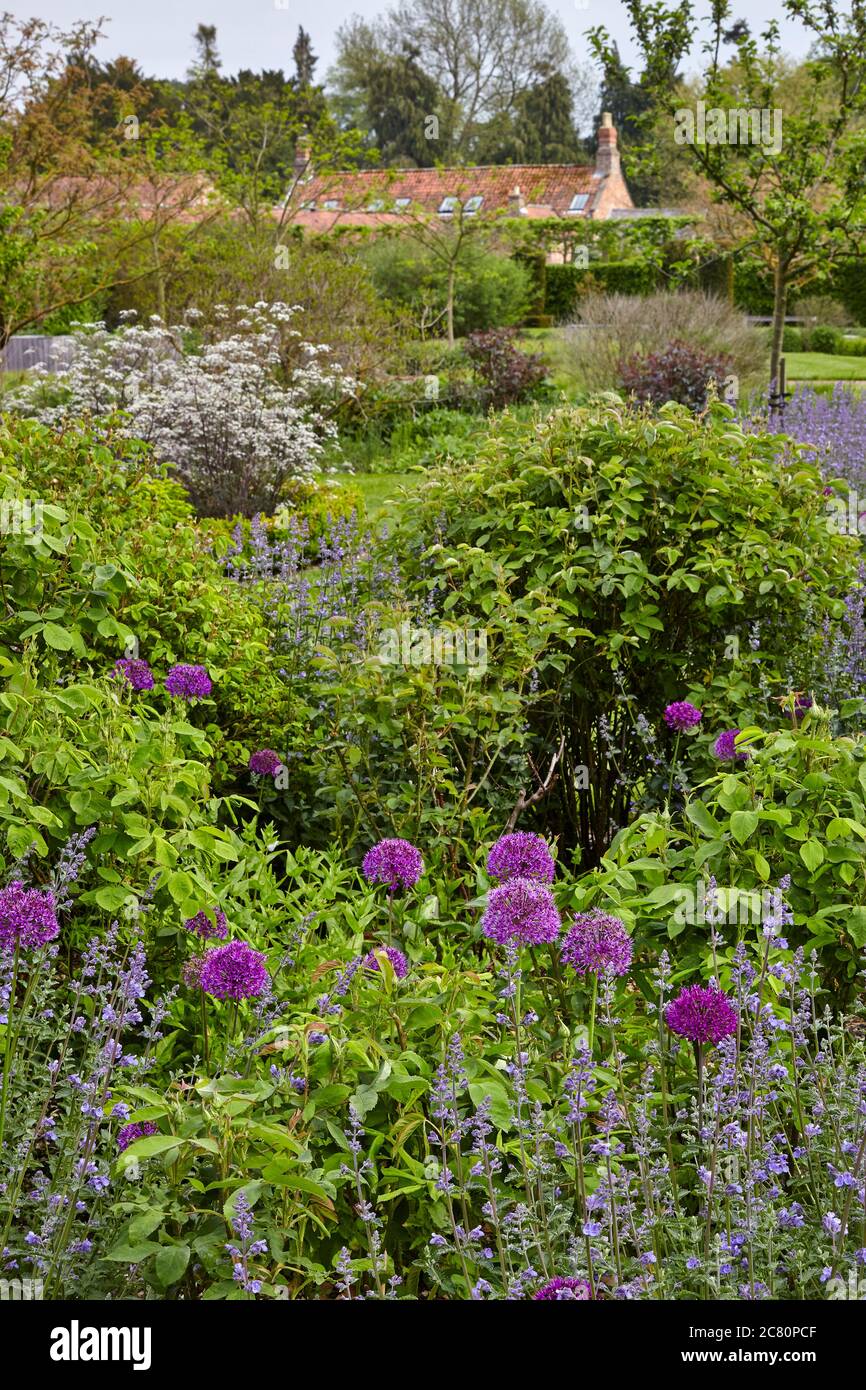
[780, 301]
[450, 304]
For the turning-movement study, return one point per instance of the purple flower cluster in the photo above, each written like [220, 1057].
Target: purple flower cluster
[188, 682]
[130, 1133]
[597, 944]
[682, 715]
[203, 927]
[395, 862]
[265, 763]
[135, 672]
[725, 748]
[521, 911]
[521, 855]
[28, 917]
[702, 1013]
[563, 1288]
[398, 961]
[234, 971]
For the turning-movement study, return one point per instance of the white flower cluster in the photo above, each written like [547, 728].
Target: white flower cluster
[238, 408]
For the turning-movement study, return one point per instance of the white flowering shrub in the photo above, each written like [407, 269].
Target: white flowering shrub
[237, 407]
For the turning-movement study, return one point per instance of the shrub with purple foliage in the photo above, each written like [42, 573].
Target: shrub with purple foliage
[678, 373]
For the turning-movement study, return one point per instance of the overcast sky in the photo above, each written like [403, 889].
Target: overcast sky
[260, 33]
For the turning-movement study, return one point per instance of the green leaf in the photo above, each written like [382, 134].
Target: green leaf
[170, 1264]
[743, 824]
[812, 855]
[57, 637]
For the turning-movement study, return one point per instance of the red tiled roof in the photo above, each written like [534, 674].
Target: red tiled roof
[546, 190]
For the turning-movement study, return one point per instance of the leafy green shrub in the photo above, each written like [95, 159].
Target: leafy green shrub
[792, 339]
[490, 290]
[823, 338]
[635, 555]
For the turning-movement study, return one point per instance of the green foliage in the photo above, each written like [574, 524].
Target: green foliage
[566, 284]
[491, 290]
[611, 529]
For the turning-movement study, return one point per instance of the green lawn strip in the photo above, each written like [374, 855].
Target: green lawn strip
[824, 366]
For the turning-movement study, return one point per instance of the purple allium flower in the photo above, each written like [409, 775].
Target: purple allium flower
[521, 855]
[135, 672]
[203, 927]
[394, 862]
[28, 918]
[188, 682]
[234, 971]
[725, 747]
[397, 959]
[562, 1288]
[265, 763]
[682, 715]
[702, 1013]
[597, 944]
[522, 911]
[191, 971]
[130, 1133]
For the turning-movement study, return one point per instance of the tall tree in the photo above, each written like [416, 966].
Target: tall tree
[207, 62]
[792, 170]
[401, 109]
[304, 58]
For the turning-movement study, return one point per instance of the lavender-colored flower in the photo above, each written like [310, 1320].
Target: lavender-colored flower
[28, 917]
[203, 927]
[682, 715]
[265, 763]
[135, 672]
[521, 855]
[521, 911]
[702, 1013]
[725, 747]
[188, 682]
[597, 944]
[397, 959]
[395, 862]
[802, 705]
[234, 971]
[563, 1288]
[191, 971]
[130, 1133]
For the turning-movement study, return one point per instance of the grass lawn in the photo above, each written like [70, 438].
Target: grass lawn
[383, 493]
[824, 366]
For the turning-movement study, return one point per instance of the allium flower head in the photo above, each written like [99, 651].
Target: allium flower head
[682, 715]
[397, 959]
[521, 855]
[265, 763]
[135, 672]
[702, 1013]
[725, 747]
[597, 944]
[191, 971]
[202, 925]
[27, 917]
[563, 1288]
[130, 1133]
[234, 971]
[188, 682]
[521, 911]
[394, 862]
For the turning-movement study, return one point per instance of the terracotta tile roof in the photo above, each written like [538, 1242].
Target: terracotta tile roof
[546, 190]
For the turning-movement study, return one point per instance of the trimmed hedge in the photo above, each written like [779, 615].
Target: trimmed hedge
[567, 283]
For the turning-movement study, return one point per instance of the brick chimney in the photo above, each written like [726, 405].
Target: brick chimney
[516, 205]
[607, 154]
[303, 166]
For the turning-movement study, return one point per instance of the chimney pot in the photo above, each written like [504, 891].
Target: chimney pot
[607, 153]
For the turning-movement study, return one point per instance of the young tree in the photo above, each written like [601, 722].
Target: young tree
[800, 198]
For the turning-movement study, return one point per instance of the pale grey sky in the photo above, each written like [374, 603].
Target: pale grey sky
[260, 33]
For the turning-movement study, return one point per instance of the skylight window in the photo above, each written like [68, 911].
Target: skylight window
[449, 205]
[332, 204]
[376, 205]
[578, 202]
[402, 202]
[309, 205]
[473, 204]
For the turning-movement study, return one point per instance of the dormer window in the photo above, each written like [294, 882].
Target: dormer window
[578, 202]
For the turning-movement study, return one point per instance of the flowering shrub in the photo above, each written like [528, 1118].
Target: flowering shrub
[217, 402]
